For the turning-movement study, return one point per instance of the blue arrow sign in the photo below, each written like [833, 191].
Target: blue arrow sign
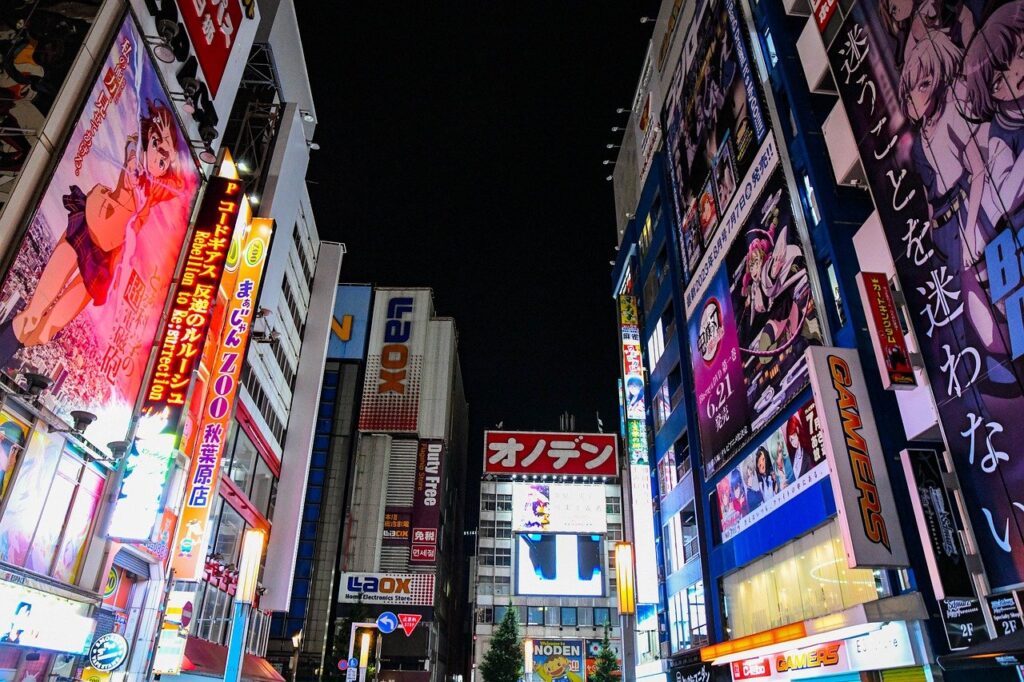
[387, 622]
[353, 662]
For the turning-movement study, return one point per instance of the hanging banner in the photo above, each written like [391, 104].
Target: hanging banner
[426, 502]
[860, 479]
[192, 535]
[949, 197]
[633, 381]
[886, 334]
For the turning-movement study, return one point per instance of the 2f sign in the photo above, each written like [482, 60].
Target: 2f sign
[394, 356]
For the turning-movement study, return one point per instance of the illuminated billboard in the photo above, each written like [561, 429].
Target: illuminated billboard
[782, 466]
[550, 454]
[644, 545]
[82, 299]
[715, 124]
[557, 660]
[428, 495]
[413, 589]
[213, 28]
[559, 565]
[751, 313]
[633, 382]
[350, 322]
[42, 39]
[39, 620]
[150, 458]
[558, 508]
[394, 361]
[221, 394]
[957, 256]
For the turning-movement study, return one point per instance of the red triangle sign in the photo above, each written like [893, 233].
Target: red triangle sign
[409, 622]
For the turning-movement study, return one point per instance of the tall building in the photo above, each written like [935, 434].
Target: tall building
[551, 513]
[401, 569]
[164, 305]
[819, 354]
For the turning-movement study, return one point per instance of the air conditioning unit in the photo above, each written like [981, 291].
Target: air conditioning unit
[842, 148]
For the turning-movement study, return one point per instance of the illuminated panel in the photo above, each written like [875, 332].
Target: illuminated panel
[560, 660]
[387, 588]
[889, 344]
[558, 508]
[192, 536]
[152, 453]
[550, 454]
[559, 565]
[643, 534]
[36, 619]
[633, 378]
[213, 27]
[624, 578]
[426, 502]
[174, 629]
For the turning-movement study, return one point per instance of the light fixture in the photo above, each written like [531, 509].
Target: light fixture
[646, 20]
[307, 116]
[618, 129]
[37, 383]
[313, 145]
[620, 110]
[607, 162]
[612, 146]
[608, 179]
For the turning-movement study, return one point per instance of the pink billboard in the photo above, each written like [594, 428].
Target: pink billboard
[82, 298]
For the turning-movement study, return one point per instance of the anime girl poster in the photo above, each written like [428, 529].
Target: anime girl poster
[941, 139]
[82, 299]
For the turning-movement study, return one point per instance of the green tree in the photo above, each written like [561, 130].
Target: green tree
[503, 661]
[607, 664]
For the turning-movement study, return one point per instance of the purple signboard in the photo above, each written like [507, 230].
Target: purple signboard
[426, 502]
[749, 330]
[935, 109]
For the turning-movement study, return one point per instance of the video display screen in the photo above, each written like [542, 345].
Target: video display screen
[559, 565]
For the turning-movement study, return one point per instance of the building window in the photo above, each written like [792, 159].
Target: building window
[769, 44]
[502, 585]
[485, 614]
[667, 472]
[837, 295]
[488, 501]
[535, 615]
[568, 614]
[646, 235]
[697, 614]
[602, 616]
[614, 531]
[656, 345]
[613, 505]
[503, 529]
[504, 503]
[662, 407]
[585, 616]
[551, 615]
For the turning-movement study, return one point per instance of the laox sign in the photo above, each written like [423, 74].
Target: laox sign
[372, 585]
[394, 356]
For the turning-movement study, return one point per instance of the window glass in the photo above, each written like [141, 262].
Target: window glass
[243, 460]
[228, 540]
[569, 615]
[602, 616]
[551, 615]
[12, 439]
[585, 616]
[51, 521]
[262, 483]
[25, 504]
[76, 531]
[535, 615]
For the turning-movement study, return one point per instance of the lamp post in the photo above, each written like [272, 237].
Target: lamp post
[296, 645]
[248, 571]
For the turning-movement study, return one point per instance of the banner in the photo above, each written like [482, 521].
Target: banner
[633, 381]
[41, 40]
[558, 660]
[82, 299]
[890, 346]
[936, 523]
[594, 649]
[427, 498]
[785, 464]
[550, 454]
[558, 508]
[750, 326]
[152, 453]
[193, 534]
[715, 124]
[860, 479]
[937, 124]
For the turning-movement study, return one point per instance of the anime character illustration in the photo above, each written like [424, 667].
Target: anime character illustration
[738, 493]
[20, 623]
[101, 225]
[754, 495]
[557, 669]
[798, 445]
[537, 507]
[191, 539]
[12, 438]
[912, 21]
[707, 212]
[783, 466]
[725, 177]
[767, 482]
[634, 395]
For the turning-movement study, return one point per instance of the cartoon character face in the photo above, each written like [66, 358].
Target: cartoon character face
[754, 262]
[1008, 84]
[899, 10]
[555, 667]
[919, 98]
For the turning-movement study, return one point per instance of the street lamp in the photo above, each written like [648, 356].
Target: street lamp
[296, 645]
[248, 571]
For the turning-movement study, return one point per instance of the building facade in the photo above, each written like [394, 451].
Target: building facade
[164, 298]
[399, 583]
[788, 329]
[551, 513]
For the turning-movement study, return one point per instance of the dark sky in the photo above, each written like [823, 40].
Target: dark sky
[460, 149]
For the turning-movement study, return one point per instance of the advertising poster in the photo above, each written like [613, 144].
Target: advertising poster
[13, 432]
[559, 565]
[937, 123]
[84, 293]
[890, 346]
[633, 381]
[397, 522]
[749, 329]
[1006, 613]
[27, 617]
[560, 453]
[350, 322]
[213, 27]
[785, 464]
[558, 508]
[426, 502]
[714, 122]
[593, 649]
[558, 660]
[41, 40]
[412, 589]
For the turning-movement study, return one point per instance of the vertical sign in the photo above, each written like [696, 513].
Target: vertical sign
[212, 26]
[1006, 612]
[633, 378]
[426, 502]
[956, 255]
[221, 392]
[964, 621]
[884, 325]
[149, 461]
[860, 480]
[933, 512]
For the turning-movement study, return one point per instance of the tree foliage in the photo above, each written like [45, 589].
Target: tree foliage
[503, 661]
[607, 664]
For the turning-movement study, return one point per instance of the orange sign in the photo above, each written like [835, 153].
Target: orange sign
[189, 549]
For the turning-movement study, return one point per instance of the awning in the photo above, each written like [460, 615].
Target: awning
[1000, 652]
[209, 659]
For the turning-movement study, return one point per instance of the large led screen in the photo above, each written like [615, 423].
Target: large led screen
[934, 103]
[558, 508]
[83, 296]
[559, 565]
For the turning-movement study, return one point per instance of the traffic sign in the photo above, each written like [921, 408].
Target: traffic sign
[353, 662]
[409, 622]
[387, 622]
[342, 664]
[350, 674]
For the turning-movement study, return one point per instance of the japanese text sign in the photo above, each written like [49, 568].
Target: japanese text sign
[149, 461]
[558, 454]
[633, 381]
[886, 334]
[426, 502]
[222, 390]
[213, 26]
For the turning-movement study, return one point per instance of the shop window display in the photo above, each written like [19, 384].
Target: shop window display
[806, 578]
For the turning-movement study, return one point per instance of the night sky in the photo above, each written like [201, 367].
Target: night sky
[460, 149]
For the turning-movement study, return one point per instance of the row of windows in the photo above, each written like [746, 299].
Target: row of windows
[307, 267]
[564, 616]
[297, 314]
[262, 401]
[688, 625]
[674, 465]
[503, 503]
